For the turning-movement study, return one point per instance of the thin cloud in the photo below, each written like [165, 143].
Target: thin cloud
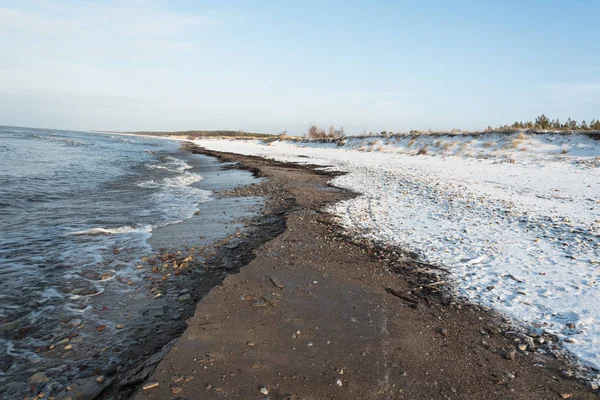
[15, 20]
[572, 88]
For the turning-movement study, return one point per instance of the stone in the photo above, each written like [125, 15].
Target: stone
[74, 323]
[38, 377]
[176, 389]
[259, 303]
[209, 326]
[444, 332]
[277, 282]
[100, 379]
[510, 354]
[185, 297]
[339, 382]
[264, 390]
[151, 385]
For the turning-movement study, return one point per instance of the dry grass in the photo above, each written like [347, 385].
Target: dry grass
[411, 142]
[422, 151]
[521, 136]
[489, 144]
[448, 145]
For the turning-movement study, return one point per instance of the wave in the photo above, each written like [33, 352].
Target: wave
[172, 165]
[113, 231]
[59, 139]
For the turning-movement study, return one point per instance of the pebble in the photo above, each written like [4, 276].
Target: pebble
[176, 389]
[339, 382]
[150, 385]
[593, 385]
[264, 390]
[100, 379]
[185, 297]
[444, 332]
[120, 326]
[510, 354]
[259, 303]
[277, 282]
[74, 323]
[38, 377]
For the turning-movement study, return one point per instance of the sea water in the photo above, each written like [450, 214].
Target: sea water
[76, 212]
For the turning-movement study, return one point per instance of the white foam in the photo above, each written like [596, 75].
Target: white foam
[111, 231]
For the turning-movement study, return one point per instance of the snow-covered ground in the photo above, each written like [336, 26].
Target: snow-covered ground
[515, 218]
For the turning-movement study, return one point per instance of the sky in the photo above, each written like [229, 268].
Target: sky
[273, 66]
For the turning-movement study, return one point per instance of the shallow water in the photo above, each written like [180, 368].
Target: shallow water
[77, 211]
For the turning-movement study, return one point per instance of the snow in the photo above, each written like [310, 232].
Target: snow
[515, 218]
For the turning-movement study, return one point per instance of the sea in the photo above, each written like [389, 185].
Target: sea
[77, 214]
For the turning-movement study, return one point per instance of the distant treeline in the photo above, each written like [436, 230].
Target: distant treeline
[199, 134]
[544, 123]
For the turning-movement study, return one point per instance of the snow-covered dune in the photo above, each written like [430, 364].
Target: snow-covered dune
[515, 218]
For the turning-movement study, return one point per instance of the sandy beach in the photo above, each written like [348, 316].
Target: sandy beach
[318, 315]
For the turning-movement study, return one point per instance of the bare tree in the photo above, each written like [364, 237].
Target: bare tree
[331, 131]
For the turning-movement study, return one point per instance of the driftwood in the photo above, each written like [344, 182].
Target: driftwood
[432, 266]
[402, 296]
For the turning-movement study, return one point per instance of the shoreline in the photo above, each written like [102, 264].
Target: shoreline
[441, 332]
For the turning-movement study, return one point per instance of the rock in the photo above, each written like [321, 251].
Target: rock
[510, 354]
[271, 298]
[185, 297]
[566, 395]
[264, 390]
[176, 378]
[100, 379]
[38, 377]
[34, 359]
[593, 385]
[74, 323]
[339, 382]
[176, 389]
[444, 332]
[259, 303]
[151, 385]
[209, 326]
[571, 325]
[100, 328]
[120, 326]
[277, 282]
[522, 347]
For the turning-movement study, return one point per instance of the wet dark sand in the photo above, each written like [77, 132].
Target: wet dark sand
[188, 260]
[317, 315]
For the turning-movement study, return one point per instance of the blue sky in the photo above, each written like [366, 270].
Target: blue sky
[270, 66]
